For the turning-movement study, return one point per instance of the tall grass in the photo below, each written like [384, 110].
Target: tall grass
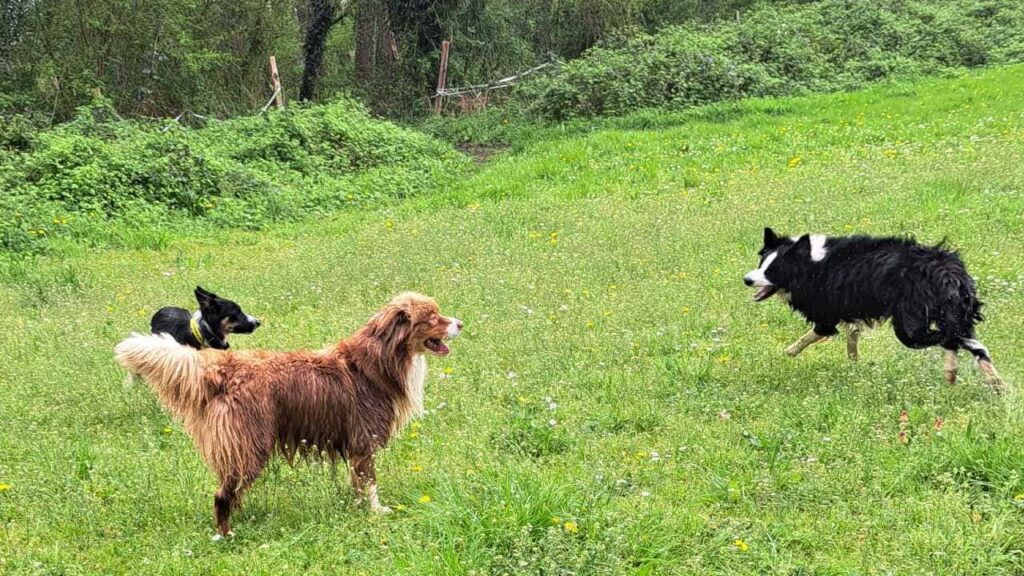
[616, 404]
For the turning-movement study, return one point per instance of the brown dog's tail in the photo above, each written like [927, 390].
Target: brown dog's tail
[173, 370]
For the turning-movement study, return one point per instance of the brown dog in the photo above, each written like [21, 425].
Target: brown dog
[345, 401]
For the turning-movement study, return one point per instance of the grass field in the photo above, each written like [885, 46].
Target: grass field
[616, 405]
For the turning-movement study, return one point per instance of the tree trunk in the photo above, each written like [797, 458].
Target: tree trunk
[321, 18]
[376, 50]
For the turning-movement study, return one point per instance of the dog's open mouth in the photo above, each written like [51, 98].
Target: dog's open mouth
[764, 292]
[437, 346]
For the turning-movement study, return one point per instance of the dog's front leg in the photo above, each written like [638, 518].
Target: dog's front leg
[364, 482]
[852, 340]
[804, 341]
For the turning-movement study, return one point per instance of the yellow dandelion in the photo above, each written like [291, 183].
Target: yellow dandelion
[416, 425]
[1019, 497]
[741, 545]
[389, 225]
[795, 161]
[590, 325]
[724, 358]
[4, 487]
[141, 312]
[425, 499]
[414, 434]
[416, 468]
[400, 507]
[448, 370]
[571, 527]
[168, 430]
[556, 520]
[686, 310]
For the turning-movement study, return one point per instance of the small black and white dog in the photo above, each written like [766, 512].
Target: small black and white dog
[862, 281]
[209, 326]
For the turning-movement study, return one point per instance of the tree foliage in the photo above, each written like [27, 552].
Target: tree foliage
[162, 57]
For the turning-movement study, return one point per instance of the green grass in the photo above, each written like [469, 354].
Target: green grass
[613, 375]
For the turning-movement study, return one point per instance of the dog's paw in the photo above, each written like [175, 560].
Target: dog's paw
[793, 351]
[381, 509]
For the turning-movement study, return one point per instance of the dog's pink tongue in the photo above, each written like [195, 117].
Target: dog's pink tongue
[761, 293]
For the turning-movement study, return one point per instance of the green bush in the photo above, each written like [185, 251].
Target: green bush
[76, 179]
[781, 50]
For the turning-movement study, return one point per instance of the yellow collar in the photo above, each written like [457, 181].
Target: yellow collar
[196, 331]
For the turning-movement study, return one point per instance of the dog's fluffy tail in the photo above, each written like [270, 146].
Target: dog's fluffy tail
[173, 370]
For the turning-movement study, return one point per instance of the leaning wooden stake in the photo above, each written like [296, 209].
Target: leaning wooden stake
[275, 79]
[442, 76]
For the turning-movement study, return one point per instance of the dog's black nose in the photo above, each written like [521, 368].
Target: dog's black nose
[748, 281]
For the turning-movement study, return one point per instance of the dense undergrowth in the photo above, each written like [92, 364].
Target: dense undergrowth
[781, 50]
[106, 181]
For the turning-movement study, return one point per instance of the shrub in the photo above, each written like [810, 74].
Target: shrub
[781, 50]
[245, 172]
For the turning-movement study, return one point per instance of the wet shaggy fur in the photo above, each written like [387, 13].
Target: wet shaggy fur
[861, 280]
[345, 401]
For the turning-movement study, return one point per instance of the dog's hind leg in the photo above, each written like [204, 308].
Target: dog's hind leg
[236, 453]
[984, 362]
[223, 502]
[949, 365]
[852, 340]
[815, 335]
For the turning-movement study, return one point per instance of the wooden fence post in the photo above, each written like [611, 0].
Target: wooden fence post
[442, 76]
[275, 80]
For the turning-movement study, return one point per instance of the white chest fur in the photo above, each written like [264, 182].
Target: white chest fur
[412, 405]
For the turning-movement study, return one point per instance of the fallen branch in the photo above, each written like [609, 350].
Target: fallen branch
[497, 84]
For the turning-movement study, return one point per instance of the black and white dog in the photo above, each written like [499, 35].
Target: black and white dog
[209, 326]
[861, 281]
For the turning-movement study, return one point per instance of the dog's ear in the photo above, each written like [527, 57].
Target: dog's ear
[802, 245]
[205, 298]
[392, 324]
[770, 239]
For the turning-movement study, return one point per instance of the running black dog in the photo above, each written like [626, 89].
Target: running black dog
[863, 280]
